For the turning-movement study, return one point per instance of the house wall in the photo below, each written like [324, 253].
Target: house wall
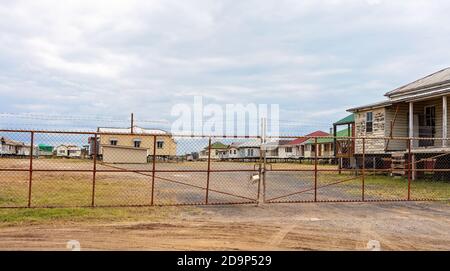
[8, 149]
[379, 130]
[61, 151]
[231, 153]
[243, 152]
[323, 153]
[215, 154]
[169, 146]
[282, 153]
[124, 155]
[400, 128]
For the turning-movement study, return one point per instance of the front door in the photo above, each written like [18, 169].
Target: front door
[428, 127]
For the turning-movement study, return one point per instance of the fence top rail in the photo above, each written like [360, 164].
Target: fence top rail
[93, 133]
[357, 137]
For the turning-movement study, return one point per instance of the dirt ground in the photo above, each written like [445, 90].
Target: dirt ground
[308, 226]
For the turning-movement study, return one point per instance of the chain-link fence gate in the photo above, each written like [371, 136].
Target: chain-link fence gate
[136, 168]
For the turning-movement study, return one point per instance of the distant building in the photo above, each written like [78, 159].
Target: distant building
[218, 151]
[45, 150]
[68, 150]
[119, 145]
[13, 147]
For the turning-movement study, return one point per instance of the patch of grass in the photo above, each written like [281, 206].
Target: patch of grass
[64, 215]
[386, 187]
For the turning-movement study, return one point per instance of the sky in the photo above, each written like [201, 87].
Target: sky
[105, 59]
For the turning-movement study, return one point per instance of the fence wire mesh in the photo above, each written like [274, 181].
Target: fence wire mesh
[77, 169]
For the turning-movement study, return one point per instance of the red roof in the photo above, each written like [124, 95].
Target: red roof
[308, 136]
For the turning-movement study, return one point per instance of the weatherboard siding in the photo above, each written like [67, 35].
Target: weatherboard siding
[379, 124]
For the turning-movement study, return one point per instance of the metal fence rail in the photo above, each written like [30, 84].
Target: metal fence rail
[89, 169]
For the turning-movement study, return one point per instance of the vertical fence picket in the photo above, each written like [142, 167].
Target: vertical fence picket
[208, 171]
[94, 171]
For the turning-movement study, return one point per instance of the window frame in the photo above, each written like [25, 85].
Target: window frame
[158, 146]
[371, 122]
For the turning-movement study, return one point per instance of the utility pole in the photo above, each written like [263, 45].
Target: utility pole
[132, 122]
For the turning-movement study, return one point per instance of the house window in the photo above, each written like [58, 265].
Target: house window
[250, 152]
[289, 149]
[113, 142]
[430, 116]
[231, 152]
[369, 122]
[234, 151]
[137, 143]
[159, 144]
[62, 151]
[217, 152]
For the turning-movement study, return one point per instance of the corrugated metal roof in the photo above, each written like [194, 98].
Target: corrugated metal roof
[136, 130]
[437, 78]
[342, 133]
[217, 145]
[373, 105]
[299, 141]
[349, 119]
[8, 141]
[250, 144]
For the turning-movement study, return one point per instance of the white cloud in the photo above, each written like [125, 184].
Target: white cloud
[114, 57]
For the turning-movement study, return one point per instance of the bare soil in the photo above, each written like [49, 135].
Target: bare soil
[308, 226]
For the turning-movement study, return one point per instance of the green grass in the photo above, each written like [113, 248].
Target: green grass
[67, 215]
[68, 189]
[386, 187]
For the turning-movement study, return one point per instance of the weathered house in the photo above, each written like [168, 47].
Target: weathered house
[250, 149]
[233, 150]
[132, 145]
[302, 146]
[68, 150]
[218, 151]
[45, 150]
[13, 148]
[417, 111]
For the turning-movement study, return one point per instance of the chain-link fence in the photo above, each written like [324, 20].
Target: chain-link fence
[144, 168]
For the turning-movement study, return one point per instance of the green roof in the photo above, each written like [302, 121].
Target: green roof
[341, 133]
[349, 119]
[217, 145]
[44, 147]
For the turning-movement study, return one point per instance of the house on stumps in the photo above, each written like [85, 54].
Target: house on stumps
[415, 113]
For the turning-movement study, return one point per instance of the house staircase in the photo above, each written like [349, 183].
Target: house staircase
[398, 164]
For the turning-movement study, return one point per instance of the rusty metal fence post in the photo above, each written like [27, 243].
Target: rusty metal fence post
[153, 170]
[30, 181]
[261, 153]
[409, 168]
[315, 169]
[208, 171]
[94, 171]
[363, 175]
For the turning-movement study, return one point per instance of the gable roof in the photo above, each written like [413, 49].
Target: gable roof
[255, 143]
[300, 140]
[341, 133]
[433, 80]
[218, 145]
[371, 106]
[11, 142]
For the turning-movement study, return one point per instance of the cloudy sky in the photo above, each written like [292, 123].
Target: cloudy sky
[313, 58]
